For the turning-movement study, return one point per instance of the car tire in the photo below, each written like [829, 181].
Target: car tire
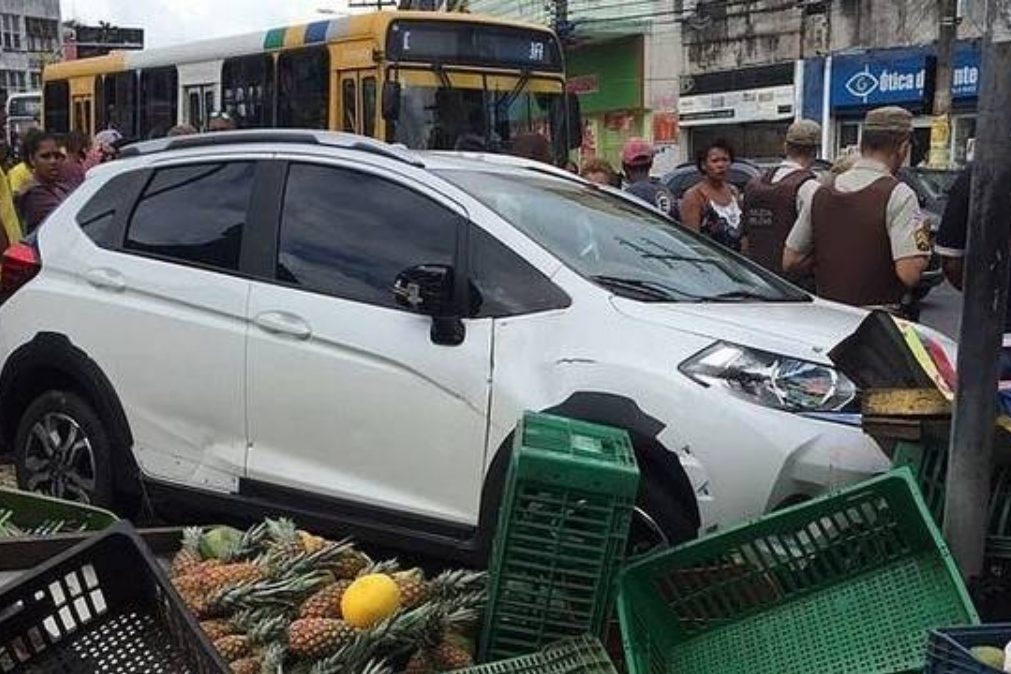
[62, 449]
[665, 514]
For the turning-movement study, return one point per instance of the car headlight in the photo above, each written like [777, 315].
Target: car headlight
[770, 379]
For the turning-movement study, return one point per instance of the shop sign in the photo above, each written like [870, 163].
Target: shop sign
[899, 77]
[736, 107]
[582, 85]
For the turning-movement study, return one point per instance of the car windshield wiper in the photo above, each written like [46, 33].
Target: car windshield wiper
[653, 291]
[737, 295]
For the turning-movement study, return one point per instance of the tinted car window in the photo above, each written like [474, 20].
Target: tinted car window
[194, 214]
[97, 216]
[349, 234]
[504, 283]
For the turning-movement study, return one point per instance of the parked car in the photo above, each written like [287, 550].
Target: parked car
[687, 175]
[323, 324]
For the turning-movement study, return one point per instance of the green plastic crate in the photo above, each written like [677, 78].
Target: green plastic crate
[32, 510]
[849, 583]
[563, 525]
[581, 655]
[928, 460]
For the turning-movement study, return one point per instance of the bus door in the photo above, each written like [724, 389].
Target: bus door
[200, 105]
[356, 96]
[82, 104]
[200, 92]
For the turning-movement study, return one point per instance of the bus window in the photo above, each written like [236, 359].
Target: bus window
[159, 92]
[247, 90]
[57, 106]
[303, 95]
[117, 106]
[369, 106]
[348, 104]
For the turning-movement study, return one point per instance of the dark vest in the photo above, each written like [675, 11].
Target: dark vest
[770, 210]
[853, 254]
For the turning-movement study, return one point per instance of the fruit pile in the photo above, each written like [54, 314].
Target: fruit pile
[280, 600]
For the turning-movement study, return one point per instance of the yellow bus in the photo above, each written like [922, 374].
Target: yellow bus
[429, 80]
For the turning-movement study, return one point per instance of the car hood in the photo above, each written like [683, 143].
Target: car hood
[805, 330]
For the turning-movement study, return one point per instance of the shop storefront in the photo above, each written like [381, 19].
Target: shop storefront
[608, 78]
[750, 108]
[905, 77]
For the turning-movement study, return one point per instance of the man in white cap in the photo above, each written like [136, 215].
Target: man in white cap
[773, 200]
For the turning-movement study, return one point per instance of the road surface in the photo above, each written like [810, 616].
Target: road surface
[942, 310]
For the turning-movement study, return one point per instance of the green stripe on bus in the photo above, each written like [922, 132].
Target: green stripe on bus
[274, 39]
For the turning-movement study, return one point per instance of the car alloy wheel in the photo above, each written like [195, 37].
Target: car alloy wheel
[59, 459]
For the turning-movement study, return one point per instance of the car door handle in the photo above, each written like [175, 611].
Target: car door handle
[283, 323]
[110, 279]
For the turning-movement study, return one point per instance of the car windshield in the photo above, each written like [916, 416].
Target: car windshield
[619, 245]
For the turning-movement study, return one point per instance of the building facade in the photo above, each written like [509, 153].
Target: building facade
[29, 38]
[752, 67]
[81, 41]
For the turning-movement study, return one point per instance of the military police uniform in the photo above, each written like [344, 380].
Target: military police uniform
[860, 223]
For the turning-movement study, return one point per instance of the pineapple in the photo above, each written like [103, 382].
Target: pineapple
[215, 629]
[325, 603]
[285, 541]
[310, 543]
[189, 555]
[351, 564]
[450, 654]
[218, 577]
[233, 647]
[414, 590]
[419, 663]
[316, 637]
[191, 590]
[247, 665]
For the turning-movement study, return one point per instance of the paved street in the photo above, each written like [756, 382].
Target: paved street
[942, 310]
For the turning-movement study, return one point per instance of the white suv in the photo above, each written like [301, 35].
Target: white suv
[328, 325]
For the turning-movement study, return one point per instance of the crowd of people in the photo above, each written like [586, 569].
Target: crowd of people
[53, 165]
[853, 235]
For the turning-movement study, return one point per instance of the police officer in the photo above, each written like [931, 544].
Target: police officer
[637, 161]
[863, 233]
[773, 200]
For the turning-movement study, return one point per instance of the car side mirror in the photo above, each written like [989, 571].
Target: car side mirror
[391, 100]
[429, 289]
[575, 122]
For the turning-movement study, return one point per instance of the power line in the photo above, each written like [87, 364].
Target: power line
[681, 16]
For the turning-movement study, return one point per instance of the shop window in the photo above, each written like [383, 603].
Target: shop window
[247, 90]
[849, 136]
[963, 132]
[303, 90]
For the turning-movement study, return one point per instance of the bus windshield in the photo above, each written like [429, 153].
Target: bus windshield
[477, 112]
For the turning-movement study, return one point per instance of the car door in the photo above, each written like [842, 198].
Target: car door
[163, 314]
[348, 395]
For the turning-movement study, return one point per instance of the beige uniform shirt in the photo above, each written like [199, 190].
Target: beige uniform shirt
[906, 228]
[806, 192]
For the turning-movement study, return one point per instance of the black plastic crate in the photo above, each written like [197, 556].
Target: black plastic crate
[103, 606]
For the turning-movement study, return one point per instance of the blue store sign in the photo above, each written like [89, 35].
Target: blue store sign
[899, 77]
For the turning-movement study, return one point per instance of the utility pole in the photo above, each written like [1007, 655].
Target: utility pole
[970, 461]
[940, 127]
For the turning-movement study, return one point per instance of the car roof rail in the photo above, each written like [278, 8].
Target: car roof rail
[347, 141]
